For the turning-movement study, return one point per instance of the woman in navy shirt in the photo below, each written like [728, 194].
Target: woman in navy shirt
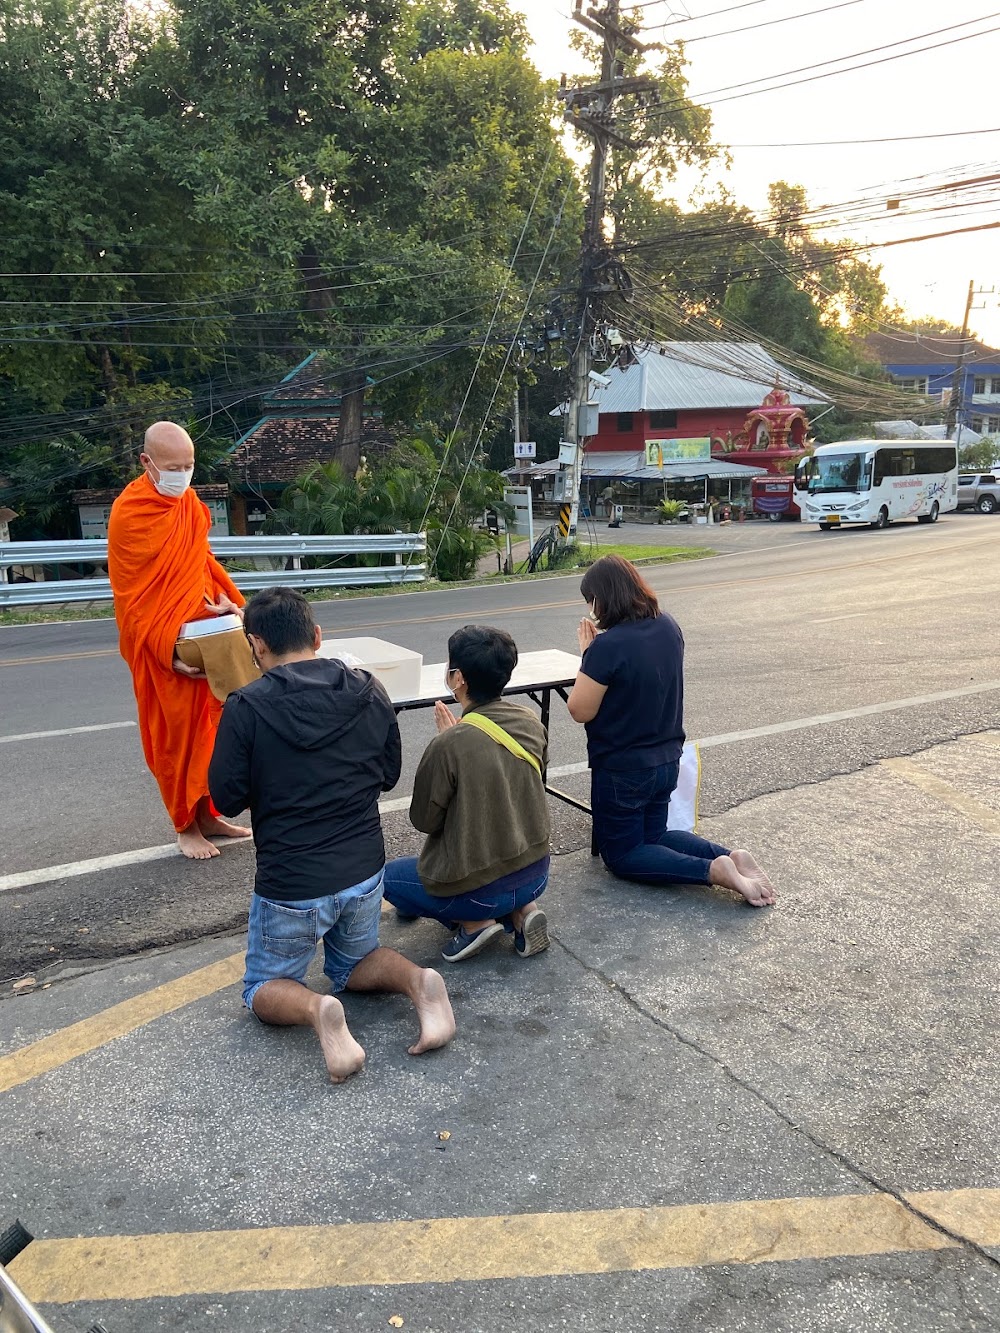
[630, 695]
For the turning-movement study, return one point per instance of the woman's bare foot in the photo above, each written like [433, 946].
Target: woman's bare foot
[437, 1022]
[750, 867]
[725, 873]
[214, 827]
[194, 845]
[341, 1052]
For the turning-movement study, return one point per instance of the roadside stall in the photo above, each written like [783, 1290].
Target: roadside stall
[640, 482]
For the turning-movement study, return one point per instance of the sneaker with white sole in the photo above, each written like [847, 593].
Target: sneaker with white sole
[464, 945]
[533, 937]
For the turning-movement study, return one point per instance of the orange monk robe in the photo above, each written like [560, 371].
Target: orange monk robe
[161, 571]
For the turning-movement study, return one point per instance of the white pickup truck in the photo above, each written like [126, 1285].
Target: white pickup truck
[979, 490]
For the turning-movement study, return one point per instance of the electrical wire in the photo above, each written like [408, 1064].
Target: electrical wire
[473, 452]
[711, 99]
[770, 23]
[479, 360]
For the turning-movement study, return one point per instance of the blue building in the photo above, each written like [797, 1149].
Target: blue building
[925, 364]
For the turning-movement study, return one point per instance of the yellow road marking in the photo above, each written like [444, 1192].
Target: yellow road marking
[981, 815]
[468, 1249]
[50, 1052]
[973, 1214]
[58, 657]
[984, 738]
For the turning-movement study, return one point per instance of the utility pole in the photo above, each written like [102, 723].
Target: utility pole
[957, 401]
[591, 109]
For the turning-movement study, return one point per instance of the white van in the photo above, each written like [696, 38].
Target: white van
[877, 482]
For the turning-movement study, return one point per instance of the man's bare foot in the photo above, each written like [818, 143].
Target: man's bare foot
[437, 1022]
[194, 845]
[341, 1052]
[725, 873]
[214, 827]
[749, 866]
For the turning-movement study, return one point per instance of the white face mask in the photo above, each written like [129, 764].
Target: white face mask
[173, 484]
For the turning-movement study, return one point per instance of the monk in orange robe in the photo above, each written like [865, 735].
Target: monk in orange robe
[162, 575]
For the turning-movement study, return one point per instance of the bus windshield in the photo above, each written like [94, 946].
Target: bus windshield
[839, 472]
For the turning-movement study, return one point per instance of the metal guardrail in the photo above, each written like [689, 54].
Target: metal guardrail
[51, 592]
[93, 551]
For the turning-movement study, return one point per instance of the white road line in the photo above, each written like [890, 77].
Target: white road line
[398, 803]
[44, 874]
[25, 879]
[820, 720]
[64, 731]
[867, 710]
[832, 620]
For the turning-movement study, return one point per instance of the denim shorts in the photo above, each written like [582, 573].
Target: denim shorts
[282, 937]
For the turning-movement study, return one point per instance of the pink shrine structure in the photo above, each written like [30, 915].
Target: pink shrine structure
[773, 435]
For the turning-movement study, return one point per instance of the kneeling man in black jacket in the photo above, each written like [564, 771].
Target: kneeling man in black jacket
[309, 748]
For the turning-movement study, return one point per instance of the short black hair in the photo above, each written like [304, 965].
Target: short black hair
[282, 618]
[486, 658]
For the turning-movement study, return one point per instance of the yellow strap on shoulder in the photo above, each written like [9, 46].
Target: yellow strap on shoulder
[504, 738]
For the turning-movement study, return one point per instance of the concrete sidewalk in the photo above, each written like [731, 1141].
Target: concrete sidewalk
[802, 1105]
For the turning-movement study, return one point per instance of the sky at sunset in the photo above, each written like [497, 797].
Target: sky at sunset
[937, 91]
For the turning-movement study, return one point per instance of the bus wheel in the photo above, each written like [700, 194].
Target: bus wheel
[932, 517]
[883, 518]
[774, 518]
[825, 527]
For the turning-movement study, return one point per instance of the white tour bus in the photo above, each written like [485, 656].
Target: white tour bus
[877, 482]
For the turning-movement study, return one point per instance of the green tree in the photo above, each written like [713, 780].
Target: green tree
[197, 195]
[384, 174]
[430, 481]
[978, 457]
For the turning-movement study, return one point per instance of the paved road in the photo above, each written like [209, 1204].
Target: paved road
[799, 624]
[801, 1104]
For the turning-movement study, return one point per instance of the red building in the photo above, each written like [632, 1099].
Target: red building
[750, 408]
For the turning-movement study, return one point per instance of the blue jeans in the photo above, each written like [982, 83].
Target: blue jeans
[630, 828]
[282, 937]
[404, 889]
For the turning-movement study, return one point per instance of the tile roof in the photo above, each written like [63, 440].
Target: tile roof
[211, 491]
[280, 448]
[688, 375]
[927, 349]
[313, 381]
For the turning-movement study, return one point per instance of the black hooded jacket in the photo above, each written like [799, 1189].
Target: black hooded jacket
[309, 748]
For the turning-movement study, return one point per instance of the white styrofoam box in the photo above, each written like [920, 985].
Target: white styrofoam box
[397, 668]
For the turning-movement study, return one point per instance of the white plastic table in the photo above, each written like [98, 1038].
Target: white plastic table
[537, 675]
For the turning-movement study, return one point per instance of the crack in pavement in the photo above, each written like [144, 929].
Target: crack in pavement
[835, 1155]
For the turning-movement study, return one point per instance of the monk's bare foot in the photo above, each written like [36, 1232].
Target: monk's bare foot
[750, 867]
[341, 1052]
[725, 874]
[437, 1022]
[194, 845]
[214, 827]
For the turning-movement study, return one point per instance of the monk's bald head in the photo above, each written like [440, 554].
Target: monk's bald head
[168, 445]
[167, 457]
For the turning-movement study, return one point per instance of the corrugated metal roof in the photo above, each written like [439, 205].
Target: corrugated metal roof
[634, 466]
[679, 376]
